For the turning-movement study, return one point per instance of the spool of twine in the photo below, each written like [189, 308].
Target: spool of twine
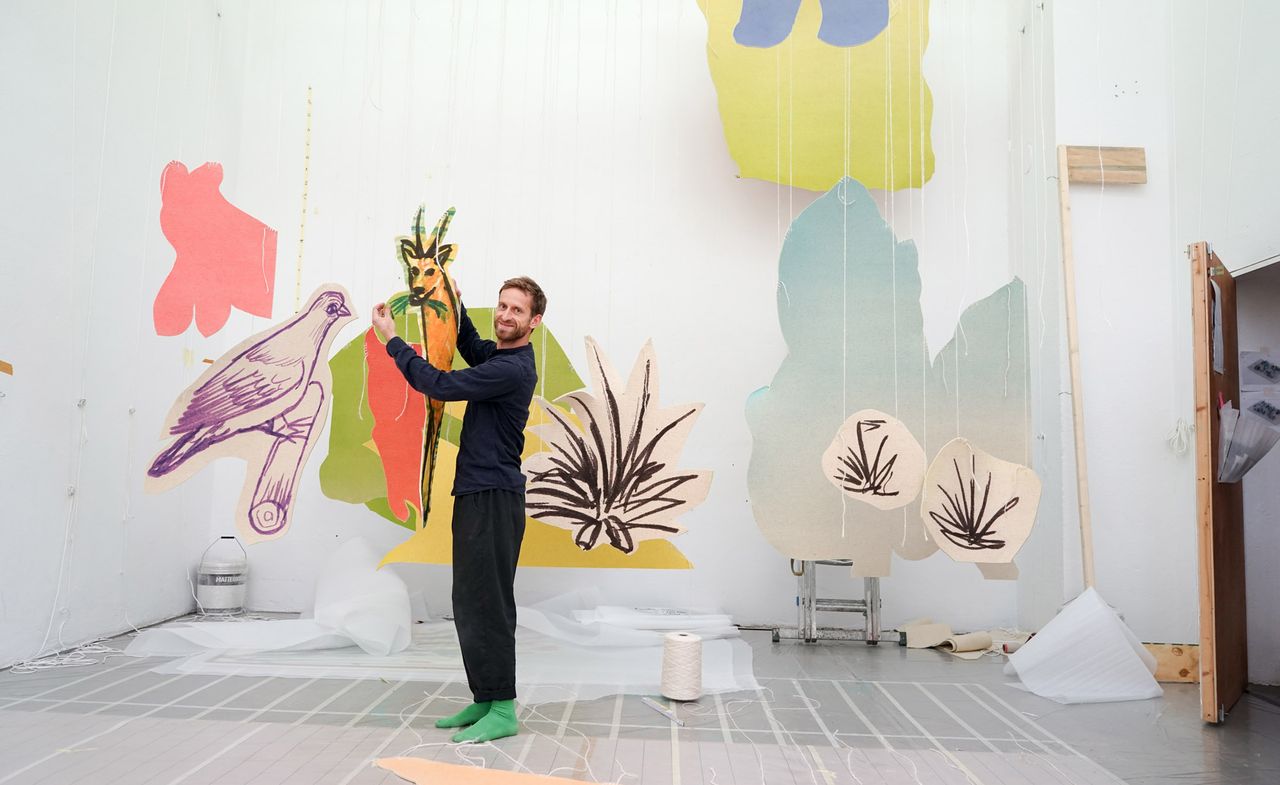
[682, 666]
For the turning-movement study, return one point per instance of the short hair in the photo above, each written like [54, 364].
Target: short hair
[530, 287]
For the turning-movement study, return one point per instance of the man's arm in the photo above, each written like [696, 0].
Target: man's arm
[484, 381]
[471, 346]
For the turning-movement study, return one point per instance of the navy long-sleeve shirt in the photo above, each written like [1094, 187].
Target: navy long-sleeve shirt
[498, 388]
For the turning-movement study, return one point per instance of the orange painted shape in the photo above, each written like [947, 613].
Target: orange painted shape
[429, 772]
[6, 367]
[225, 257]
[426, 260]
[399, 417]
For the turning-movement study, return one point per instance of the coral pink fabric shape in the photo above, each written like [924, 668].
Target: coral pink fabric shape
[399, 423]
[225, 257]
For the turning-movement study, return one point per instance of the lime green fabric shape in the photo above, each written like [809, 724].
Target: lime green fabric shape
[352, 471]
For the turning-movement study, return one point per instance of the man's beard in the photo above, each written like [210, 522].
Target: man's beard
[518, 331]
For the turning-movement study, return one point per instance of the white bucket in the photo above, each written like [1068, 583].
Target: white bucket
[222, 577]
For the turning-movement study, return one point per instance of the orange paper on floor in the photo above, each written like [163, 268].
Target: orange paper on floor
[426, 772]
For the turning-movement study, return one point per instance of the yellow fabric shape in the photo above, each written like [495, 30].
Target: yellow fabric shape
[805, 113]
[544, 545]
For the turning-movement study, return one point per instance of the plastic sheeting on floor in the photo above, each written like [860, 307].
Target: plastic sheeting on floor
[1086, 654]
[557, 656]
[356, 604]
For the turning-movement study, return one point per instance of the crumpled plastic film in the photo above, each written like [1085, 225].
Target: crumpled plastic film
[355, 604]
[576, 617]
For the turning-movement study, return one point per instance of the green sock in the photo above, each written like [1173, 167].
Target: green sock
[467, 716]
[499, 723]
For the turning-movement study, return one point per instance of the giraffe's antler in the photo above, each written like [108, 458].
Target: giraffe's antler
[436, 248]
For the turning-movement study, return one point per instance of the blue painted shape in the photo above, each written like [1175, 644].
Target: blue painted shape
[852, 22]
[765, 23]
[849, 310]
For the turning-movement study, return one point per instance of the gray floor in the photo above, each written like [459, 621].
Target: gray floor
[830, 713]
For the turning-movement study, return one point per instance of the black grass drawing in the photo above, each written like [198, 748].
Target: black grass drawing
[859, 473]
[602, 481]
[964, 519]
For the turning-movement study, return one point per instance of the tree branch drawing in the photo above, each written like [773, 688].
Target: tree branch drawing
[609, 476]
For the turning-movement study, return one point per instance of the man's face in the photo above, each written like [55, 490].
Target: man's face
[513, 319]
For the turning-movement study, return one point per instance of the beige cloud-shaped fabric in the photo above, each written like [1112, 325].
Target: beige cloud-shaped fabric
[875, 459]
[976, 507]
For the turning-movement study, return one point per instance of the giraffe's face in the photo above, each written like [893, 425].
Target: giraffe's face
[428, 277]
[426, 258]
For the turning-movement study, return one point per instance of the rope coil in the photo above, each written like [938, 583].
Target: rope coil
[682, 666]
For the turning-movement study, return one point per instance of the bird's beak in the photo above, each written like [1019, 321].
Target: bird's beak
[343, 311]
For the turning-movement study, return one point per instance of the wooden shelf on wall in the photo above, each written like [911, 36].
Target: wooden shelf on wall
[1106, 165]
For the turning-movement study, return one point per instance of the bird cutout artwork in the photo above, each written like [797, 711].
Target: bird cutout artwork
[610, 476]
[875, 459]
[357, 470]
[225, 257]
[849, 310]
[978, 508]
[766, 23]
[810, 91]
[264, 401]
[433, 299]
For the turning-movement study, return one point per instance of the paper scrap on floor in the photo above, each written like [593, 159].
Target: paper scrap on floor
[426, 772]
[927, 634]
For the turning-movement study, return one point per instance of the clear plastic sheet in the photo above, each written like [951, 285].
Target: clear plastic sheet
[355, 604]
[557, 658]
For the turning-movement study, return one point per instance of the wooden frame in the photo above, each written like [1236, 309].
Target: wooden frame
[1102, 165]
[1073, 355]
[1219, 506]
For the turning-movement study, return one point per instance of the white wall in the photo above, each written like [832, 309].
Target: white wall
[1197, 94]
[1258, 320]
[581, 144]
[1223, 85]
[565, 134]
[1129, 279]
[85, 553]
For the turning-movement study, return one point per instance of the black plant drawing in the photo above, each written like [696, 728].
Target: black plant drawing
[859, 473]
[964, 519]
[612, 479]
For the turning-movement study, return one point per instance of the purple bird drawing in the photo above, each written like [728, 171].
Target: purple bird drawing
[261, 402]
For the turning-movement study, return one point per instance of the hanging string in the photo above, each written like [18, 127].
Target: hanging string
[67, 554]
[302, 220]
[842, 195]
[141, 310]
[891, 204]
[925, 365]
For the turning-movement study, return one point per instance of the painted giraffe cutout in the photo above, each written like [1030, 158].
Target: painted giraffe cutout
[432, 292]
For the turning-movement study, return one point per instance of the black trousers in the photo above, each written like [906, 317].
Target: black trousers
[488, 527]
